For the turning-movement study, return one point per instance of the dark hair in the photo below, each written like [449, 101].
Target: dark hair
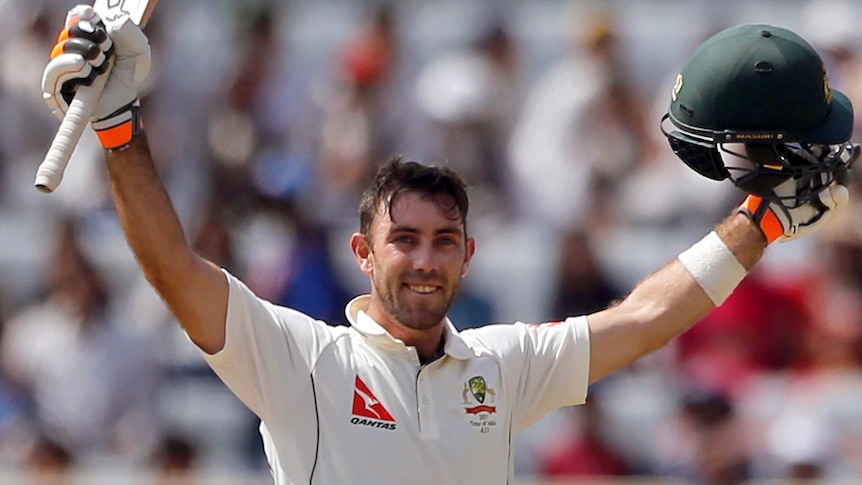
[397, 177]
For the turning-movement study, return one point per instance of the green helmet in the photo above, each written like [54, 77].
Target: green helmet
[767, 89]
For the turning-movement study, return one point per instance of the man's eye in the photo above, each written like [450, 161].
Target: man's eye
[446, 241]
[404, 239]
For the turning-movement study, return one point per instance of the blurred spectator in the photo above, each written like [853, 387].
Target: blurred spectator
[471, 98]
[361, 123]
[830, 26]
[809, 416]
[830, 370]
[26, 123]
[90, 376]
[582, 450]
[802, 444]
[49, 461]
[261, 137]
[758, 329]
[579, 132]
[252, 135]
[706, 443]
[174, 457]
[583, 286]
[660, 205]
[833, 342]
[13, 406]
[288, 261]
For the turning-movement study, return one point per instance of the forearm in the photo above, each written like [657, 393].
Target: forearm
[664, 305]
[146, 213]
[194, 289]
[671, 301]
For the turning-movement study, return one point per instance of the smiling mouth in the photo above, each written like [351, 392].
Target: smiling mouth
[421, 289]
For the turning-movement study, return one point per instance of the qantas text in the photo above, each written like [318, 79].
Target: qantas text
[373, 424]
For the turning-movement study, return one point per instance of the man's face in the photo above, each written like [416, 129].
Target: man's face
[415, 259]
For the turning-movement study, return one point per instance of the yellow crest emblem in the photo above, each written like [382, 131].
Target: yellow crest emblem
[677, 87]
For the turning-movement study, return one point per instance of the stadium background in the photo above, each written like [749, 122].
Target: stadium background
[266, 118]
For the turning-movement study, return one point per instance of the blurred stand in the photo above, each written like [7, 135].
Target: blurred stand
[88, 374]
[268, 118]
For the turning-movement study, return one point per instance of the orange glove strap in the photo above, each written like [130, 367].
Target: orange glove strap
[120, 136]
[763, 216]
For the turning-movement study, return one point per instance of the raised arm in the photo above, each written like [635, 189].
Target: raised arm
[194, 289]
[664, 305]
[673, 299]
[788, 146]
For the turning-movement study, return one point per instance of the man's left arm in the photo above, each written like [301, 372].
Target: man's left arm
[674, 298]
[663, 305]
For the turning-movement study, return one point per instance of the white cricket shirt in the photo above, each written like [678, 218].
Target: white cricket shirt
[353, 405]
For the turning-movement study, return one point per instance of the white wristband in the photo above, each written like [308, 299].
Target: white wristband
[713, 266]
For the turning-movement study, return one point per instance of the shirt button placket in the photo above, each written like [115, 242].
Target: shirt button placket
[427, 419]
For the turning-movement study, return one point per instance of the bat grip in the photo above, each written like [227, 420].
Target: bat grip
[50, 171]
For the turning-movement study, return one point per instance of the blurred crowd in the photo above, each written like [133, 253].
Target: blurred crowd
[267, 118]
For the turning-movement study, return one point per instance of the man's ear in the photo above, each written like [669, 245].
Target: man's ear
[361, 248]
[468, 256]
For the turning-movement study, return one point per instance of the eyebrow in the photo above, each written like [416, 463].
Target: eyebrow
[455, 230]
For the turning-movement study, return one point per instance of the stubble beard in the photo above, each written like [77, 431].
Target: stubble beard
[416, 317]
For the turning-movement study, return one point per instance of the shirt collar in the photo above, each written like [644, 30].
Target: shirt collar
[453, 344]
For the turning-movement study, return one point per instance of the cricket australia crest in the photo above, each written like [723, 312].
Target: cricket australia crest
[479, 403]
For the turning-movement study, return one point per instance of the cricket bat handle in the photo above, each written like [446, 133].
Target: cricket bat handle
[50, 171]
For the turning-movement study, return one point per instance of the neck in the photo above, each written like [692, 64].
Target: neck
[427, 342]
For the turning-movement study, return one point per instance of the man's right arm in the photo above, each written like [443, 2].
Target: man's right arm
[195, 289]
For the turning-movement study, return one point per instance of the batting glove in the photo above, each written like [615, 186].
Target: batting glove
[87, 48]
[786, 219]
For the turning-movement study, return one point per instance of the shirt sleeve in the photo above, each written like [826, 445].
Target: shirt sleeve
[545, 366]
[269, 350]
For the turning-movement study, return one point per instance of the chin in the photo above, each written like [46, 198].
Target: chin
[421, 319]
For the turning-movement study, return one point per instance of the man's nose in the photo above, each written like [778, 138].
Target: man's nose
[424, 258]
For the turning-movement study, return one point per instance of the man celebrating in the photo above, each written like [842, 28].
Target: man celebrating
[400, 396]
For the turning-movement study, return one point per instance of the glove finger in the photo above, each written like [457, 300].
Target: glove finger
[70, 86]
[85, 29]
[95, 33]
[73, 17]
[835, 197]
[87, 49]
[81, 12]
[64, 70]
[93, 40]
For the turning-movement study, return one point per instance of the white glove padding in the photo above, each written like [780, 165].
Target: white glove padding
[115, 118]
[83, 49]
[783, 220]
